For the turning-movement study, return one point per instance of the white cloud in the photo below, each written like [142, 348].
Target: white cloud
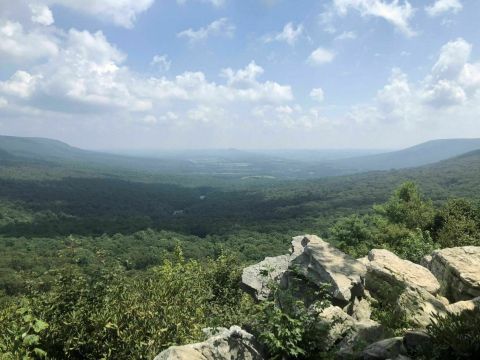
[21, 84]
[216, 3]
[120, 12]
[317, 94]
[161, 62]
[396, 13]
[221, 27]
[88, 74]
[453, 56]
[41, 14]
[290, 34]
[321, 56]
[451, 88]
[248, 75]
[445, 93]
[440, 7]
[20, 46]
[346, 35]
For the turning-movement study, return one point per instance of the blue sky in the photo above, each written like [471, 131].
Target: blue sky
[149, 74]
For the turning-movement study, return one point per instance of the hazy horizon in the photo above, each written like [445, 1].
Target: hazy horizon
[251, 74]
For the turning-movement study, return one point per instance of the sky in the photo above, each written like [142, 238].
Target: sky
[158, 74]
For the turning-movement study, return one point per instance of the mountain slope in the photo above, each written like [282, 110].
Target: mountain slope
[422, 154]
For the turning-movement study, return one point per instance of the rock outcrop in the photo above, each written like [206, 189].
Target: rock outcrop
[458, 271]
[257, 278]
[417, 306]
[466, 305]
[412, 291]
[385, 349]
[316, 260]
[408, 287]
[226, 344]
[322, 263]
[384, 266]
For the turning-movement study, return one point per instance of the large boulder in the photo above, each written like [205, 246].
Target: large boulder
[339, 323]
[417, 343]
[258, 278]
[316, 262]
[361, 334]
[466, 305]
[322, 263]
[385, 349]
[409, 288]
[226, 344]
[388, 267]
[458, 271]
[418, 306]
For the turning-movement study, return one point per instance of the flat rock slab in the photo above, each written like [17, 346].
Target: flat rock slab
[322, 263]
[227, 344]
[402, 271]
[258, 278]
[458, 271]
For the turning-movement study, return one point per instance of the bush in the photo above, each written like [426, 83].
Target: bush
[456, 336]
[288, 327]
[116, 316]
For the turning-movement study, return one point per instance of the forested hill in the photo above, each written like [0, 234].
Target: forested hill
[227, 164]
[90, 205]
[422, 154]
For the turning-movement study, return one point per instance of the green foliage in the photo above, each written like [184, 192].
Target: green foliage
[288, 329]
[456, 336]
[458, 224]
[114, 316]
[407, 207]
[22, 333]
[401, 225]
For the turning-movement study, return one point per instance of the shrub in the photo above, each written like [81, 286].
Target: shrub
[456, 336]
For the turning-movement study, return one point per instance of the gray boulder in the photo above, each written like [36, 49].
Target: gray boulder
[361, 334]
[318, 263]
[461, 306]
[417, 342]
[339, 322]
[227, 344]
[384, 349]
[322, 263]
[391, 269]
[257, 278]
[418, 306]
[458, 271]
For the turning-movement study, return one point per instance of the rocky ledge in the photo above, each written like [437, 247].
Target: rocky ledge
[448, 282]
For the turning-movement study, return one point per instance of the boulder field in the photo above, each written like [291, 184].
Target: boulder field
[447, 281]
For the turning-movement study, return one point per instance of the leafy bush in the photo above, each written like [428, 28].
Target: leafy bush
[458, 224]
[116, 316]
[456, 336]
[288, 326]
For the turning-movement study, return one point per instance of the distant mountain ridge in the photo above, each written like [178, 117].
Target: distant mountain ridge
[422, 154]
[298, 164]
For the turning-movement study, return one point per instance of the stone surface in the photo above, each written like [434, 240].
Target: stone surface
[461, 306]
[257, 278]
[417, 306]
[322, 263]
[393, 269]
[341, 324]
[362, 334]
[227, 344]
[417, 342]
[359, 309]
[384, 349]
[458, 271]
